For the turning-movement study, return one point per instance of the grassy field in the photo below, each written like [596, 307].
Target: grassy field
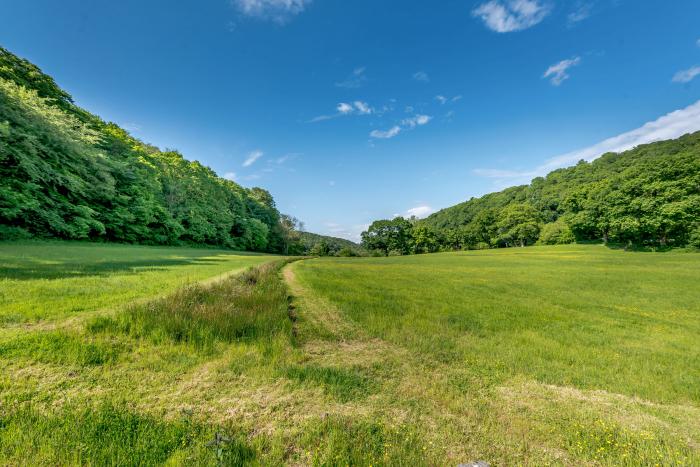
[552, 355]
[540, 355]
[50, 280]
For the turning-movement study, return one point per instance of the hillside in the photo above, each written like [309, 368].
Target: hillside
[325, 245]
[648, 196]
[65, 173]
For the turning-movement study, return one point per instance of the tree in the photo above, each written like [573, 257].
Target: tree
[388, 235]
[518, 224]
[424, 240]
[556, 233]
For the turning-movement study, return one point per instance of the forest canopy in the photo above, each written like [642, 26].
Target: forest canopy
[648, 196]
[65, 173]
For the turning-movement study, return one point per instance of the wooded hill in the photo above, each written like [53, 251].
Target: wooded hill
[648, 196]
[65, 173]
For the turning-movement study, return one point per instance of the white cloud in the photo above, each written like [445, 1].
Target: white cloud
[362, 108]
[444, 100]
[405, 124]
[670, 126]
[686, 76]
[511, 15]
[580, 13]
[420, 211]
[344, 108]
[418, 120]
[356, 79]
[390, 133]
[421, 76]
[352, 232]
[276, 10]
[252, 157]
[230, 176]
[559, 72]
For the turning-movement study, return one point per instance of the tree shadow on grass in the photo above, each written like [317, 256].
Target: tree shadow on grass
[31, 269]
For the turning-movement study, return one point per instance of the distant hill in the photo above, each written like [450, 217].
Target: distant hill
[333, 245]
[65, 173]
[648, 196]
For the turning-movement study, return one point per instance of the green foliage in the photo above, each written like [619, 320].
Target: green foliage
[388, 236]
[335, 246]
[65, 173]
[557, 233]
[648, 196]
[518, 223]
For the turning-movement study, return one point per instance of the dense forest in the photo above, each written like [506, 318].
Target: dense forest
[65, 173]
[645, 197]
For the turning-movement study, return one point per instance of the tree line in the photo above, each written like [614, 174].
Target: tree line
[65, 173]
[647, 197]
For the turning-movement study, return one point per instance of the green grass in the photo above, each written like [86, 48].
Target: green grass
[49, 280]
[542, 355]
[575, 355]
[585, 317]
[250, 306]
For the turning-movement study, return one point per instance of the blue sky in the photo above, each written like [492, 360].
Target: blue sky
[350, 111]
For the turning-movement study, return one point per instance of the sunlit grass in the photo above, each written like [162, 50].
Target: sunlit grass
[49, 280]
[539, 356]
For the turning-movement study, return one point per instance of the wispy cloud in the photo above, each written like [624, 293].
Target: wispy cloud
[356, 79]
[672, 125]
[344, 109]
[686, 76]
[444, 100]
[230, 176]
[405, 124]
[421, 76]
[581, 11]
[386, 134]
[559, 72]
[698, 43]
[418, 120]
[279, 11]
[420, 211]
[252, 157]
[511, 15]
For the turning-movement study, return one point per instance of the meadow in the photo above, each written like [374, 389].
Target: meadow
[531, 356]
[42, 281]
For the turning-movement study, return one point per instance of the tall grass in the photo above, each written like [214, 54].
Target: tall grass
[250, 306]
